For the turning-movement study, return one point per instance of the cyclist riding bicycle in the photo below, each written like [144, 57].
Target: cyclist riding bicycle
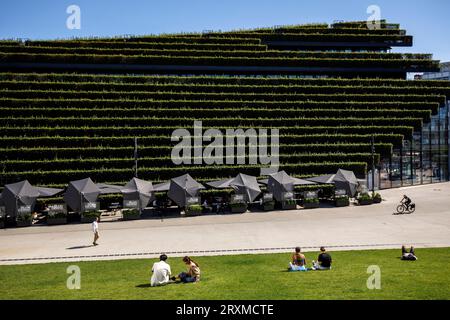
[406, 201]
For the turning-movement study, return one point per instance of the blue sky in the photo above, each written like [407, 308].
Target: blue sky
[428, 21]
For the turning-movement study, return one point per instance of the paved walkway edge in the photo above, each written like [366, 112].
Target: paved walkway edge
[148, 255]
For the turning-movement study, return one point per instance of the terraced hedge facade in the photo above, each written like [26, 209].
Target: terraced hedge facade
[72, 108]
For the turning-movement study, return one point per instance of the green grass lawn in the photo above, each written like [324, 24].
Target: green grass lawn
[262, 276]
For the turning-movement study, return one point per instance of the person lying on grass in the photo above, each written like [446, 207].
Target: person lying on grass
[298, 262]
[161, 272]
[192, 274]
[323, 261]
[408, 255]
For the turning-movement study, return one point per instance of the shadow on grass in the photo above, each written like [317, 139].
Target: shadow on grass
[145, 285]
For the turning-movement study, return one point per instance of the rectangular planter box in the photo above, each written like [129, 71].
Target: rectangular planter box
[341, 203]
[288, 206]
[24, 223]
[364, 202]
[131, 217]
[376, 200]
[54, 221]
[2, 224]
[311, 205]
[239, 209]
[189, 213]
[268, 206]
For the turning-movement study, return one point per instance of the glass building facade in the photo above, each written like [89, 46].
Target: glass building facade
[421, 160]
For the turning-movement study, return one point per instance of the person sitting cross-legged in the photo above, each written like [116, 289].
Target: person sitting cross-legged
[298, 262]
[192, 274]
[161, 272]
[323, 261]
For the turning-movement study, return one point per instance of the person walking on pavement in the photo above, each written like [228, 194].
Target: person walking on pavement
[95, 230]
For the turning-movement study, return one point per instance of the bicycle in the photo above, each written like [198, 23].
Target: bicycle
[403, 208]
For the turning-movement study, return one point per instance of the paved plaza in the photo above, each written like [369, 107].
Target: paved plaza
[347, 228]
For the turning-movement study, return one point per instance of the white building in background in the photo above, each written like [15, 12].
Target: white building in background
[443, 75]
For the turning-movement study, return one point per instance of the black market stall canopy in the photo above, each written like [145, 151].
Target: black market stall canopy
[342, 179]
[161, 187]
[280, 184]
[137, 191]
[81, 192]
[184, 190]
[109, 188]
[22, 196]
[242, 184]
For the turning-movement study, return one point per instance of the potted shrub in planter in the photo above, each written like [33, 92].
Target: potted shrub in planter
[238, 207]
[193, 210]
[364, 199]
[56, 214]
[376, 197]
[309, 203]
[56, 218]
[269, 205]
[341, 201]
[131, 214]
[24, 220]
[289, 204]
[90, 216]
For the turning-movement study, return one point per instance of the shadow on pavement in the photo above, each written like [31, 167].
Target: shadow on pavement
[79, 247]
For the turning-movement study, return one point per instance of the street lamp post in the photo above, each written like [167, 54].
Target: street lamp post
[373, 163]
[135, 157]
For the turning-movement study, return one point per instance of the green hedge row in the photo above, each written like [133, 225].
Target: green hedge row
[219, 61]
[214, 52]
[152, 46]
[161, 131]
[209, 104]
[118, 141]
[149, 39]
[319, 37]
[363, 24]
[238, 90]
[223, 80]
[244, 113]
[159, 174]
[216, 122]
[183, 96]
[163, 162]
[39, 153]
[218, 79]
[322, 29]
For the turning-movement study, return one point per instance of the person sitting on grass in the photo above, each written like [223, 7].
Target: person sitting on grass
[298, 262]
[323, 261]
[193, 273]
[161, 272]
[408, 255]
